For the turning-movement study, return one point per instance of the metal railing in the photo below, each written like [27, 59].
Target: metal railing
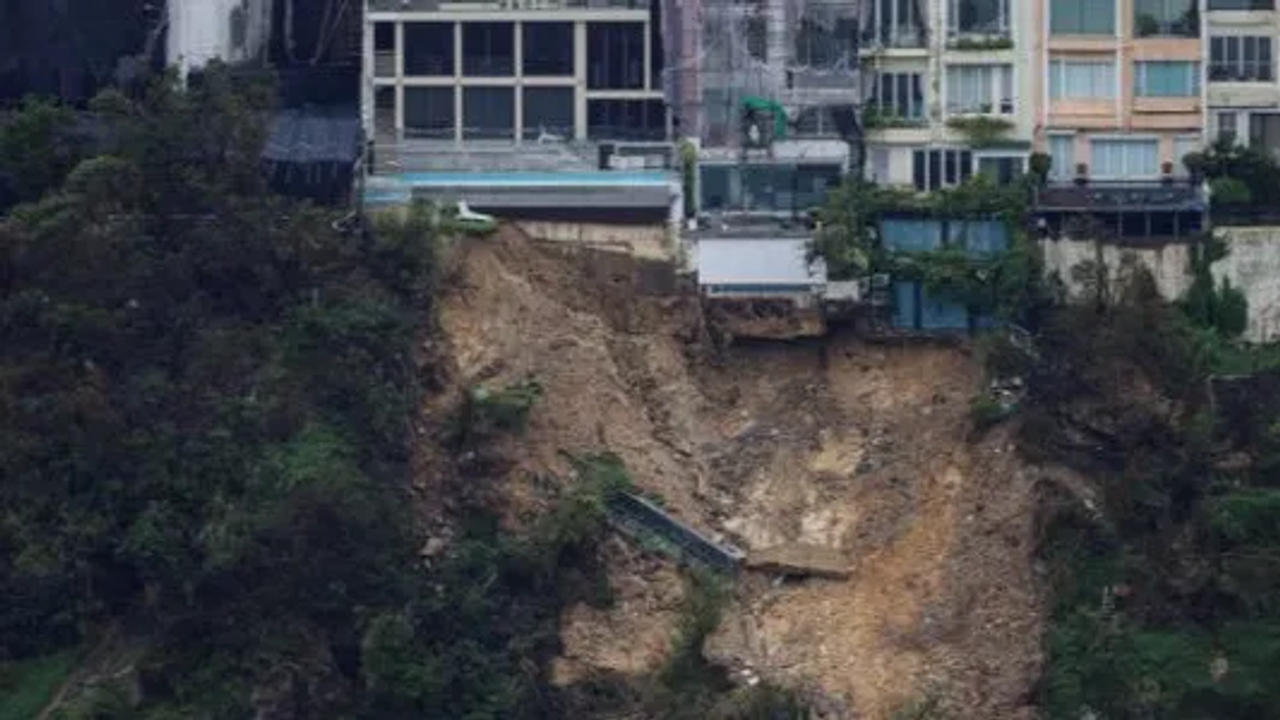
[641, 519]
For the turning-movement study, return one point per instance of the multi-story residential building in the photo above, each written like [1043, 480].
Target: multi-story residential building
[1244, 92]
[1120, 87]
[515, 86]
[947, 91]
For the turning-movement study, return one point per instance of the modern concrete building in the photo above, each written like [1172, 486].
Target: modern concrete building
[948, 89]
[1244, 93]
[1120, 87]
[555, 88]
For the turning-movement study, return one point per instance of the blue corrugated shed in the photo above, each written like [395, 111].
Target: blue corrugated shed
[915, 310]
[978, 237]
[904, 304]
[910, 235]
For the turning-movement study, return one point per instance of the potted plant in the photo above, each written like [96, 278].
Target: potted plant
[1166, 173]
[1082, 174]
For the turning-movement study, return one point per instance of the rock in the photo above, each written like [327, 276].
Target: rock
[433, 547]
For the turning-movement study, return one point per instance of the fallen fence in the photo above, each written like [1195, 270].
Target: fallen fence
[652, 526]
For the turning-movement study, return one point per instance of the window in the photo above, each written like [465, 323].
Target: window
[1227, 131]
[548, 113]
[615, 56]
[1116, 158]
[488, 49]
[488, 112]
[1183, 146]
[981, 89]
[895, 23]
[984, 17]
[1001, 169]
[384, 112]
[1082, 17]
[1240, 59]
[384, 37]
[1264, 131]
[770, 187]
[548, 48]
[428, 112]
[1166, 78]
[1242, 4]
[898, 96]
[626, 119]
[1062, 149]
[1166, 17]
[428, 48]
[1082, 79]
[933, 169]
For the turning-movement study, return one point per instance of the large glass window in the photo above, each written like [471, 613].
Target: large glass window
[1082, 17]
[894, 23]
[428, 48]
[1082, 79]
[1166, 17]
[933, 169]
[548, 48]
[1166, 78]
[1062, 150]
[898, 96]
[1240, 59]
[626, 120]
[1227, 131]
[986, 17]
[1122, 158]
[488, 49]
[821, 43]
[548, 113]
[428, 112]
[615, 56]
[1264, 131]
[982, 89]
[488, 112]
[778, 188]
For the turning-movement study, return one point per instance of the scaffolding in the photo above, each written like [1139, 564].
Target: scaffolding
[794, 57]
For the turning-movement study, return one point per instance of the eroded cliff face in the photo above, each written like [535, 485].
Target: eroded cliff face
[867, 449]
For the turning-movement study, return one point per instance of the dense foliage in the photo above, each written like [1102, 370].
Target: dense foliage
[1163, 577]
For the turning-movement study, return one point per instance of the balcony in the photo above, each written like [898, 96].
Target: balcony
[904, 37]
[1120, 196]
[1187, 25]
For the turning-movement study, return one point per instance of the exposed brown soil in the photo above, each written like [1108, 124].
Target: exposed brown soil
[863, 449]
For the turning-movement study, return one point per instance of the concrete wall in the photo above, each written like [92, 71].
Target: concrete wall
[1252, 265]
[649, 241]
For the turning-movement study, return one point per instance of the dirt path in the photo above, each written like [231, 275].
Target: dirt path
[859, 448]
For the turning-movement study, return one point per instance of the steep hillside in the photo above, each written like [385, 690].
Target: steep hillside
[867, 449]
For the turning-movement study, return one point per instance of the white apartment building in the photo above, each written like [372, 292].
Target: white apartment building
[936, 75]
[1243, 85]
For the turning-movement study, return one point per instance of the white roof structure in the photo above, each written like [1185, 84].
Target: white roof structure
[757, 261]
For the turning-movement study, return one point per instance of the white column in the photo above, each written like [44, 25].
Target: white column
[580, 80]
[366, 79]
[457, 82]
[517, 100]
[399, 59]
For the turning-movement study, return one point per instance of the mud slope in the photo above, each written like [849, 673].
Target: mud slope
[856, 447]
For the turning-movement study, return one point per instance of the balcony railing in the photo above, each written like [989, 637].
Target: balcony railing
[384, 63]
[902, 36]
[430, 5]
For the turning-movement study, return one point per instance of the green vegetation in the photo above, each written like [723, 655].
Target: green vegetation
[487, 412]
[26, 686]
[689, 176]
[994, 43]
[1165, 598]
[1241, 179]
[981, 131]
